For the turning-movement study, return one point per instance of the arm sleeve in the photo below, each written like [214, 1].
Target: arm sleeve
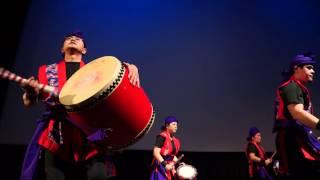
[252, 149]
[42, 74]
[159, 141]
[292, 94]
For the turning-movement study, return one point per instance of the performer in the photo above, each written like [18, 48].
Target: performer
[298, 147]
[59, 150]
[256, 155]
[165, 150]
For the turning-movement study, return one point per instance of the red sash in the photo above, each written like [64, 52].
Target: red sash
[167, 146]
[280, 117]
[72, 136]
[254, 167]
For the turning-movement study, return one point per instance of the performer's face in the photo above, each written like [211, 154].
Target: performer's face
[257, 138]
[72, 43]
[172, 127]
[305, 73]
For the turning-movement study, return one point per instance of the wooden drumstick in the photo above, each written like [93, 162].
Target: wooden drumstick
[274, 153]
[5, 74]
[179, 159]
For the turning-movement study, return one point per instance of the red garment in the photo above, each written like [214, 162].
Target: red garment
[166, 149]
[253, 166]
[280, 109]
[282, 123]
[73, 138]
[167, 153]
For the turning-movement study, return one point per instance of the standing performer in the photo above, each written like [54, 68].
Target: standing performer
[297, 147]
[165, 150]
[58, 149]
[256, 155]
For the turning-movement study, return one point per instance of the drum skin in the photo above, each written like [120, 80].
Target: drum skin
[122, 111]
[186, 172]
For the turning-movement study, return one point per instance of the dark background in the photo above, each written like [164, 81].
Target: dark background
[213, 64]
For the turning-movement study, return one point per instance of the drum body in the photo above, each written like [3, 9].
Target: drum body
[186, 172]
[101, 101]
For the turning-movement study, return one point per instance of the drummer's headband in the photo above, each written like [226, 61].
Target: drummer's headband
[170, 119]
[299, 60]
[252, 132]
[302, 59]
[78, 34]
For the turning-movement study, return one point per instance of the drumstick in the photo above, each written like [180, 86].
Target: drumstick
[179, 159]
[274, 153]
[6, 74]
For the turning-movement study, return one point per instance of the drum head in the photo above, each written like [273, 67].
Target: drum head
[186, 171]
[90, 80]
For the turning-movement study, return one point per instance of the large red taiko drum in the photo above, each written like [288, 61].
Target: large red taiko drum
[101, 101]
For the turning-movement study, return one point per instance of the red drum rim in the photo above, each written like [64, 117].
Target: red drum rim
[140, 135]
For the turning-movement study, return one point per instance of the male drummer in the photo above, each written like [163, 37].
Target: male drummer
[59, 150]
[297, 147]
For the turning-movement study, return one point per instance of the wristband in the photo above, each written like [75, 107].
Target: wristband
[164, 163]
[32, 96]
[262, 162]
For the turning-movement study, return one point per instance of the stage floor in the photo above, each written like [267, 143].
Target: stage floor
[135, 164]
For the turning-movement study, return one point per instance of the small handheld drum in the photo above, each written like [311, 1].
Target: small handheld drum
[186, 171]
[101, 101]
[276, 167]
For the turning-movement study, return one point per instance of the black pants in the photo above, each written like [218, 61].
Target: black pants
[305, 170]
[299, 167]
[57, 169]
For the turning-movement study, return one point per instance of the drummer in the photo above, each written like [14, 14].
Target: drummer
[59, 150]
[165, 150]
[258, 161]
